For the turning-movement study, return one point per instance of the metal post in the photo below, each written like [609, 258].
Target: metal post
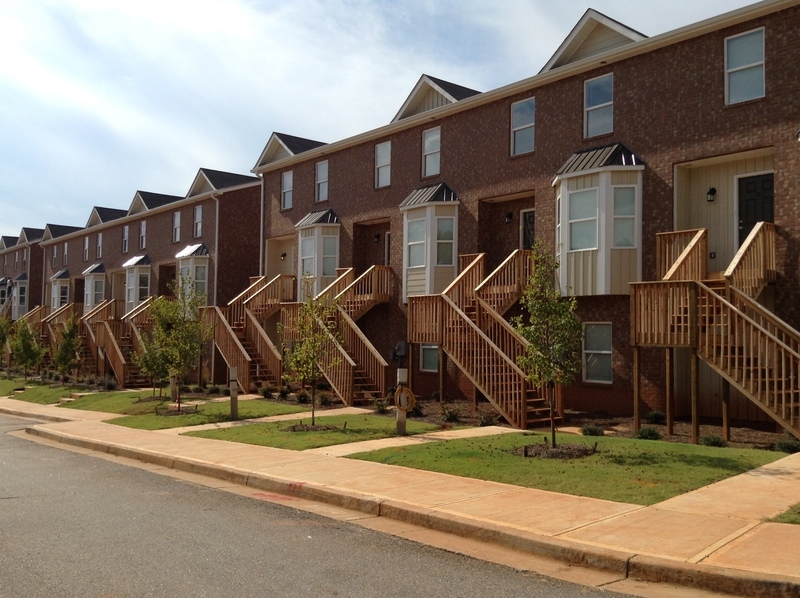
[234, 393]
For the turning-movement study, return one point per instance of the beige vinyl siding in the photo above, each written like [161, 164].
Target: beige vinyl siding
[625, 177]
[582, 269]
[442, 277]
[432, 99]
[275, 265]
[601, 39]
[415, 281]
[588, 181]
[624, 270]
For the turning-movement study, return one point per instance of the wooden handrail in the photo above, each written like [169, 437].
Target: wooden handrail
[462, 290]
[691, 263]
[503, 287]
[339, 368]
[36, 315]
[364, 354]
[465, 259]
[107, 333]
[142, 307]
[662, 313]
[343, 279]
[266, 300]
[765, 318]
[57, 316]
[264, 346]
[228, 344]
[669, 246]
[235, 312]
[372, 287]
[424, 319]
[754, 265]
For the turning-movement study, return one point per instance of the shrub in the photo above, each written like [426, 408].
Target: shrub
[646, 433]
[713, 440]
[302, 397]
[185, 388]
[417, 411]
[656, 417]
[450, 413]
[487, 419]
[284, 392]
[197, 389]
[266, 392]
[789, 444]
[90, 381]
[213, 390]
[270, 388]
[110, 384]
[226, 392]
[592, 430]
[381, 405]
[323, 386]
[325, 399]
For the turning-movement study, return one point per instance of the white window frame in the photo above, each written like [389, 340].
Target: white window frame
[99, 246]
[587, 109]
[623, 217]
[321, 181]
[432, 152]
[55, 255]
[143, 234]
[418, 243]
[757, 65]
[93, 291]
[125, 233]
[383, 164]
[287, 183]
[587, 354]
[427, 348]
[519, 128]
[442, 242]
[198, 221]
[573, 221]
[135, 291]
[16, 260]
[24, 258]
[86, 249]
[176, 227]
[523, 214]
[64, 254]
[195, 269]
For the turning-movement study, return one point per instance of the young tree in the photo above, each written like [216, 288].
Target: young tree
[5, 330]
[314, 329]
[24, 346]
[152, 360]
[552, 330]
[66, 359]
[178, 333]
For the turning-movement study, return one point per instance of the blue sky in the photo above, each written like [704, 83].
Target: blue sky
[101, 98]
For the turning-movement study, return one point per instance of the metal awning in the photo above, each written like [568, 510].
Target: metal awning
[615, 154]
[138, 260]
[319, 217]
[438, 193]
[193, 251]
[62, 274]
[94, 269]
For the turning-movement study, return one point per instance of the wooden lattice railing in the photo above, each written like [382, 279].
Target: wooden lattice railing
[503, 287]
[363, 354]
[267, 300]
[372, 287]
[663, 314]
[344, 277]
[264, 346]
[107, 332]
[670, 246]
[235, 311]
[462, 290]
[228, 344]
[691, 263]
[754, 265]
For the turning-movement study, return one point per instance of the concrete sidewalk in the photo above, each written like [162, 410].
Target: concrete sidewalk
[713, 538]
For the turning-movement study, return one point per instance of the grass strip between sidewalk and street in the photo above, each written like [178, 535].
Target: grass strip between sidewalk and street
[641, 472]
[790, 516]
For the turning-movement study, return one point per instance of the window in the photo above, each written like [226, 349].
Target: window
[22, 296]
[64, 255]
[523, 118]
[55, 255]
[137, 286]
[16, 260]
[24, 258]
[597, 353]
[583, 220]
[330, 255]
[321, 187]
[143, 234]
[431, 151]
[195, 271]
[198, 221]
[624, 216]
[383, 164]
[286, 190]
[125, 232]
[528, 218]
[176, 227]
[99, 248]
[93, 292]
[86, 249]
[744, 67]
[444, 241]
[307, 245]
[599, 105]
[416, 243]
[429, 358]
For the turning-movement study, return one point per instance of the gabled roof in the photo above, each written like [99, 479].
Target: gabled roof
[102, 215]
[30, 235]
[430, 93]
[438, 193]
[319, 217]
[281, 145]
[615, 154]
[208, 180]
[194, 250]
[6, 242]
[594, 34]
[53, 231]
[94, 269]
[144, 201]
[62, 274]
[137, 260]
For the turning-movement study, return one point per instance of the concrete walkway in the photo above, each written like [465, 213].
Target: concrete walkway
[713, 538]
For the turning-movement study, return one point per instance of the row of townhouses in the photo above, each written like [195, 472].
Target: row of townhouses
[663, 171]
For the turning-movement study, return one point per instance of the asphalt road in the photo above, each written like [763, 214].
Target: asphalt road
[73, 525]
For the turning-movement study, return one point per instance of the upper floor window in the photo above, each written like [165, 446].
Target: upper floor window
[444, 241]
[55, 255]
[597, 365]
[599, 106]
[16, 260]
[86, 249]
[198, 221]
[431, 151]
[624, 216]
[286, 190]
[744, 67]
[416, 243]
[176, 227]
[383, 164]
[583, 219]
[321, 182]
[64, 255]
[125, 233]
[99, 248]
[143, 234]
[25, 258]
[523, 119]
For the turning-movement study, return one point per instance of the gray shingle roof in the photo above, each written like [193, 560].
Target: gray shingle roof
[430, 194]
[59, 230]
[221, 180]
[33, 234]
[62, 274]
[615, 154]
[9, 241]
[298, 145]
[155, 200]
[94, 269]
[459, 92]
[109, 214]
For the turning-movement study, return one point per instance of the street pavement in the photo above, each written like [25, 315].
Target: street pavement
[711, 539]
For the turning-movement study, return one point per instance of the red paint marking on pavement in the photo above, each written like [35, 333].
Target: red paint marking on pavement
[273, 496]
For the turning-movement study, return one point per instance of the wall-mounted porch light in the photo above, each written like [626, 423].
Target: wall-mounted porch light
[509, 217]
[283, 256]
[377, 238]
[712, 194]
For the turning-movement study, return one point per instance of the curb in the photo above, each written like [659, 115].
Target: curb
[37, 416]
[626, 564]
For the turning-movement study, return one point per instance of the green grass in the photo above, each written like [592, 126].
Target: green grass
[640, 472]
[790, 516]
[208, 413]
[41, 394]
[7, 386]
[122, 402]
[359, 428]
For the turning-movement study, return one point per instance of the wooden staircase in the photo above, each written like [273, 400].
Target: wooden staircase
[467, 321]
[718, 317]
[117, 339]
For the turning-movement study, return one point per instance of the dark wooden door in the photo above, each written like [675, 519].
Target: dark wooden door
[756, 203]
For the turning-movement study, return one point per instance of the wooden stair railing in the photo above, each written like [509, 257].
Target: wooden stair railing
[663, 314]
[344, 277]
[751, 358]
[364, 355]
[107, 310]
[107, 334]
[670, 246]
[370, 289]
[265, 301]
[503, 287]
[691, 264]
[51, 324]
[36, 315]
[235, 312]
[765, 318]
[228, 344]
[462, 290]
[264, 347]
[754, 265]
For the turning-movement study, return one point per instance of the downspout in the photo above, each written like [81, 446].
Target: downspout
[215, 197]
[261, 232]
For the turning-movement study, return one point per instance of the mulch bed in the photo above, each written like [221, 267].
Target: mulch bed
[562, 451]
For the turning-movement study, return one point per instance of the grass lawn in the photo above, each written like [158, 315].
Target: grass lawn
[790, 516]
[7, 386]
[640, 472]
[121, 401]
[42, 394]
[207, 413]
[359, 427]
